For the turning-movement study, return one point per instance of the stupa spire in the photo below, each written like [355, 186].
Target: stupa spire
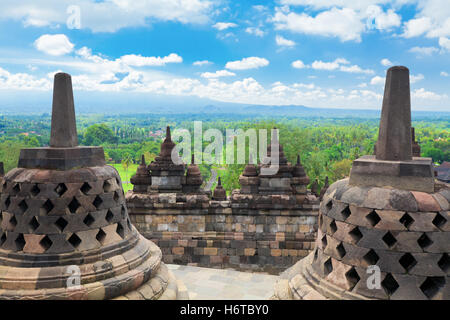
[64, 129]
[394, 138]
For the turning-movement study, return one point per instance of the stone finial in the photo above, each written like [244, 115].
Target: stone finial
[315, 188]
[250, 169]
[168, 145]
[142, 179]
[394, 138]
[220, 193]
[168, 135]
[299, 171]
[63, 130]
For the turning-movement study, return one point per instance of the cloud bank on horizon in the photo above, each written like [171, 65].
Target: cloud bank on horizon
[318, 53]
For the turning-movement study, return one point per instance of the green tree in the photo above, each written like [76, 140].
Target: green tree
[99, 134]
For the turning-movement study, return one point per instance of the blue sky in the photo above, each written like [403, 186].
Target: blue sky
[318, 53]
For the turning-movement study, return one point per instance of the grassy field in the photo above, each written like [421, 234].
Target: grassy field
[125, 175]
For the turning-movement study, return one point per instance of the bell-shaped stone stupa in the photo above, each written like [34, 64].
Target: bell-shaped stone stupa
[384, 233]
[65, 231]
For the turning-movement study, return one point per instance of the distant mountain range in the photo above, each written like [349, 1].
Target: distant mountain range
[132, 103]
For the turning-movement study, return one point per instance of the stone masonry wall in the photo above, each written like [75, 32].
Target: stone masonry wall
[191, 229]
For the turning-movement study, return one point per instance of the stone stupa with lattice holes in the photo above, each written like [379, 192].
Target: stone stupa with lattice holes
[390, 213]
[65, 231]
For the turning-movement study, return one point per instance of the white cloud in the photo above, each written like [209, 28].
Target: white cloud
[382, 20]
[320, 65]
[217, 74]
[224, 25]
[428, 95]
[377, 80]
[416, 78]
[304, 85]
[386, 62]
[444, 43]
[324, 4]
[344, 24]
[140, 61]
[110, 15]
[426, 51]
[340, 64]
[444, 74]
[247, 63]
[255, 31]
[416, 27]
[22, 81]
[298, 64]
[355, 69]
[201, 63]
[283, 42]
[55, 45]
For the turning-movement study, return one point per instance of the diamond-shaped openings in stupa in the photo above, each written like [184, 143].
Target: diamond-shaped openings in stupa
[439, 221]
[109, 216]
[329, 205]
[324, 242]
[346, 212]
[8, 202]
[373, 218]
[120, 230]
[61, 224]
[116, 196]
[3, 239]
[389, 239]
[352, 278]
[107, 186]
[327, 267]
[355, 234]
[432, 285]
[97, 202]
[389, 284]
[341, 250]
[13, 221]
[74, 205]
[16, 189]
[85, 188]
[35, 190]
[333, 227]
[20, 242]
[74, 240]
[371, 257]
[61, 189]
[407, 261]
[424, 241]
[89, 220]
[444, 263]
[23, 206]
[45, 243]
[34, 224]
[47, 207]
[406, 220]
[101, 235]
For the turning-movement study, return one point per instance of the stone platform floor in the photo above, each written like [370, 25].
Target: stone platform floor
[220, 284]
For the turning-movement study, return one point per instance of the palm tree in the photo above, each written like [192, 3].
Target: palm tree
[126, 161]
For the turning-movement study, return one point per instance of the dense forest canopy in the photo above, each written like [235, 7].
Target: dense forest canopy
[327, 146]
